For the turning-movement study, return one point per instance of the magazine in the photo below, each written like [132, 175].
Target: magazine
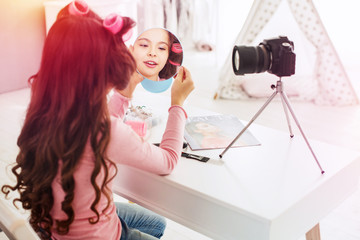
[216, 131]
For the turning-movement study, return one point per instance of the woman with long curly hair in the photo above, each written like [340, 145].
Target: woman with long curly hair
[73, 137]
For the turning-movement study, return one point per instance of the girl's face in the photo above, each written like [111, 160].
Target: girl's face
[151, 52]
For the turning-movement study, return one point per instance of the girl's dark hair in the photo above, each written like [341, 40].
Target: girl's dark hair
[81, 61]
[170, 69]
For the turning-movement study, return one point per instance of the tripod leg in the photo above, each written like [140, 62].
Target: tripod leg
[250, 122]
[286, 114]
[302, 133]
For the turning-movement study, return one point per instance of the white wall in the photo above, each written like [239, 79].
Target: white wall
[339, 17]
[22, 33]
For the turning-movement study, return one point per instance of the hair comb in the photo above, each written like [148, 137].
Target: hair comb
[78, 8]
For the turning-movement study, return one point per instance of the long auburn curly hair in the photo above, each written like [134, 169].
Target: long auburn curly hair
[81, 61]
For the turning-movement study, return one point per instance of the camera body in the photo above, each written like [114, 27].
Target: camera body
[274, 55]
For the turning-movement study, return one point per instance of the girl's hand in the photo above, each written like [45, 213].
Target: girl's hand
[135, 79]
[182, 87]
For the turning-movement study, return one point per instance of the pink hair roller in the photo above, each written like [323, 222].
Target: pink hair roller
[127, 35]
[138, 127]
[174, 63]
[78, 8]
[176, 48]
[113, 23]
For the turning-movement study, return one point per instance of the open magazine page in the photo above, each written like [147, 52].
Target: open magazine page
[216, 131]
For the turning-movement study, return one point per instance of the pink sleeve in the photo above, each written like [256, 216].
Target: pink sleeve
[118, 104]
[126, 147]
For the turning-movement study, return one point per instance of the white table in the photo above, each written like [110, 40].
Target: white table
[270, 192]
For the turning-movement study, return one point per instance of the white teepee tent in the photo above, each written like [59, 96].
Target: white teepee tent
[326, 84]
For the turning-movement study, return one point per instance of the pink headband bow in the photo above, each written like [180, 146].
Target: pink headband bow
[114, 24]
[78, 8]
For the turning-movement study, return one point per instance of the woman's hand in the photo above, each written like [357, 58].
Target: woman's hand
[135, 79]
[182, 87]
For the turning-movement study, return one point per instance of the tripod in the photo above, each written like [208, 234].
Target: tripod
[286, 105]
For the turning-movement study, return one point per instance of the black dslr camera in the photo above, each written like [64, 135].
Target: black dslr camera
[273, 55]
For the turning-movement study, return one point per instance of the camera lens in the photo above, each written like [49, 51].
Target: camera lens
[250, 59]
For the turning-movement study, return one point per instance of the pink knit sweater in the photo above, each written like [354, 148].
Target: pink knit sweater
[125, 147]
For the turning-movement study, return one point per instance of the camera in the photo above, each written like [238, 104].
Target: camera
[274, 55]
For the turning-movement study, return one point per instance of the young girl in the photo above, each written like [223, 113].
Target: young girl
[157, 53]
[72, 138]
